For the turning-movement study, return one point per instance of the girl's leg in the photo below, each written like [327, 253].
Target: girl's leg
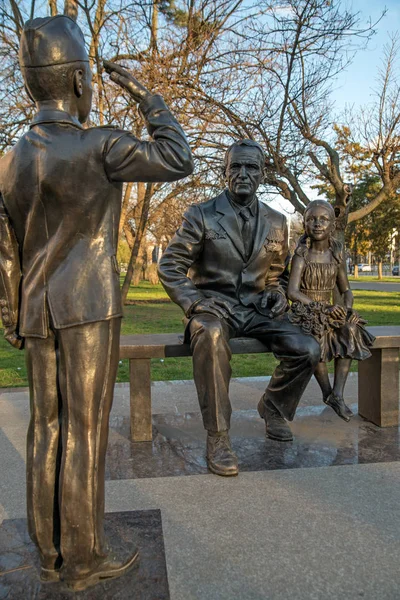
[335, 400]
[322, 377]
[342, 368]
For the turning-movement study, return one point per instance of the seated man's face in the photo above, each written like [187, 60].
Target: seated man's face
[244, 171]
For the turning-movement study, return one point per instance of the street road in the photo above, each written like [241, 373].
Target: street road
[375, 285]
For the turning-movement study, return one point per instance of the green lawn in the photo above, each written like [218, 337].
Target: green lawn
[145, 292]
[153, 313]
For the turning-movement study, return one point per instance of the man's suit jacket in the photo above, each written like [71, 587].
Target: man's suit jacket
[206, 256]
[61, 186]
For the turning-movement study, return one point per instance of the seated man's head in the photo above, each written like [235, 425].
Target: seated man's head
[244, 169]
[55, 65]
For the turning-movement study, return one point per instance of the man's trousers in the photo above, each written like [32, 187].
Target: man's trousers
[71, 378]
[297, 352]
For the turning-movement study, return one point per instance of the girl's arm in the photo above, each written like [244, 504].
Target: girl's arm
[296, 271]
[344, 286]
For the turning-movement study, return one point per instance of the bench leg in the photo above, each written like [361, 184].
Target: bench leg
[378, 387]
[140, 398]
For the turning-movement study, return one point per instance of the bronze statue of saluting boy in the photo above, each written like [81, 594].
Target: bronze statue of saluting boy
[61, 188]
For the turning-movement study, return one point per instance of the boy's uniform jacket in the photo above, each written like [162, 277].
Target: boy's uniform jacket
[61, 188]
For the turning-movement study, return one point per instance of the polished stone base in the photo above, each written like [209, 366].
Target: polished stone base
[19, 564]
[327, 531]
[321, 439]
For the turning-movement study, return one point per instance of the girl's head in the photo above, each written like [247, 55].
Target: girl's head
[319, 224]
[319, 220]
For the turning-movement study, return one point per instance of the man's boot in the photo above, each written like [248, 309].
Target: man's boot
[221, 460]
[276, 426]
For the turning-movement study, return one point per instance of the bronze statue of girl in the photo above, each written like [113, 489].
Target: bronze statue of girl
[317, 267]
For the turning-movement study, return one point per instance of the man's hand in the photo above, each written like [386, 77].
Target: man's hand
[213, 306]
[13, 338]
[127, 81]
[276, 301]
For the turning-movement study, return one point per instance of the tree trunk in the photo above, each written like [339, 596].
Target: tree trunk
[125, 208]
[137, 272]
[71, 9]
[129, 236]
[154, 27]
[341, 208]
[138, 240]
[18, 20]
[355, 260]
[380, 269]
[53, 7]
[94, 54]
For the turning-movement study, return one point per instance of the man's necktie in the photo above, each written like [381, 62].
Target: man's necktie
[246, 232]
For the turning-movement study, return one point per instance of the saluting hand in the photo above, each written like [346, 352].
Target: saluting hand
[127, 81]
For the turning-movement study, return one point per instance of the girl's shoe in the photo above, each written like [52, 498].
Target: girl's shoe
[339, 406]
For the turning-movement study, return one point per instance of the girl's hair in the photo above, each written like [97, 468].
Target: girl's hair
[304, 241]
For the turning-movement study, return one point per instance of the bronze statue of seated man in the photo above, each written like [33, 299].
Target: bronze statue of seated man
[225, 268]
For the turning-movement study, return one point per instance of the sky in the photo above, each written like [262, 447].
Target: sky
[355, 85]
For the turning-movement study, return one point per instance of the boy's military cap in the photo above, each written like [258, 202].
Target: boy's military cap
[51, 41]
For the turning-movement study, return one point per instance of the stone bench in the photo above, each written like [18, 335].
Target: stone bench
[378, 379]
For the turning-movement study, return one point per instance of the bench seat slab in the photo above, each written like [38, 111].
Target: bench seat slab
[378, 376]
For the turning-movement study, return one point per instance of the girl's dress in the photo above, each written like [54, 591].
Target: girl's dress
[337, 338]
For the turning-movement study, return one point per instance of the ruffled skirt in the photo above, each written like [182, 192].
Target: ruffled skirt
[337, 338]
[351, 340]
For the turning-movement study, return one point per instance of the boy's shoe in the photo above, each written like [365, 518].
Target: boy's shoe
[109, 568]
[51, 572]
[49, 575]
